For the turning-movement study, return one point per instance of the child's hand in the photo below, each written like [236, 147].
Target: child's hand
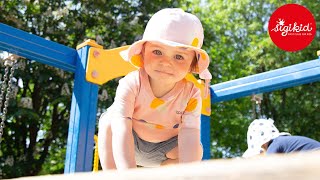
[190, 148]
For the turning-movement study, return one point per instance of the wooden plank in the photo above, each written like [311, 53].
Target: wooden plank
[291, 166]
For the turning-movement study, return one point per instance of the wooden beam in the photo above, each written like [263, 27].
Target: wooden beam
[291, 166]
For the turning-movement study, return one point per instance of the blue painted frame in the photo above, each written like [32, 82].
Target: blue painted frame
[37, 48]
[82, 119]
[84, 97]
[205, 136]
[302, 73]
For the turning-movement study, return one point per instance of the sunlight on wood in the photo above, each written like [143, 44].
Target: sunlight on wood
[291, 166]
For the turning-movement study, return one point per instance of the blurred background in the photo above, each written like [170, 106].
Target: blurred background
[236, 38]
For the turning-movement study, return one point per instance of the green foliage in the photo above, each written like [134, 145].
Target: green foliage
[236, 36]
[236, 39]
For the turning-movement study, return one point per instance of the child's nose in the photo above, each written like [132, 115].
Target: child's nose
[166, 61]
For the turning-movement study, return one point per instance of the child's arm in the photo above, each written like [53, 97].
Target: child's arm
[118, 144]
[118, 154]
[123, 143]
[104, 148]
[189, 145]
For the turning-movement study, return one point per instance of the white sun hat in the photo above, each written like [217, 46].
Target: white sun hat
[259, 132]
[176, 28]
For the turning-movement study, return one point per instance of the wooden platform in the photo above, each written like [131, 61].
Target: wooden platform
[299, 166]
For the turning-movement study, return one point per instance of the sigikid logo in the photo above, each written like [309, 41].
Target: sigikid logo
[295, 29]
[292, 27]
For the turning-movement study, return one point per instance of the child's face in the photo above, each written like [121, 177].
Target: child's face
[166, 63]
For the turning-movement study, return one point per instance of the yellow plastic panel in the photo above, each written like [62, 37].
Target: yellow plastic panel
[89, 42]
[104, 65]
[206, 102]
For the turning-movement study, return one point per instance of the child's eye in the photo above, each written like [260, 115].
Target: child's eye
[179, 57]
[157, 52]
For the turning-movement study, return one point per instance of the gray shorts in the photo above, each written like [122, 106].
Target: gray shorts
[150, 154]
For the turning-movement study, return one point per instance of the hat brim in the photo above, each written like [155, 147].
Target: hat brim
[136, 48]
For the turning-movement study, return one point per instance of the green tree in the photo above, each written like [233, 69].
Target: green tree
[239, 45]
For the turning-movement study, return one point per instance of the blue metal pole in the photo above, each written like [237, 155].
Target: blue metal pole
[82, 119]
[290, 76]
[36, 48]
[205, 136]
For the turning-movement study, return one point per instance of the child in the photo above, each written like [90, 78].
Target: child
[155, 117]
[263, 136]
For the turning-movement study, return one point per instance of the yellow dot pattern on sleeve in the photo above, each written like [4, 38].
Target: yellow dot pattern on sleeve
[192, 104]
[156, 103]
